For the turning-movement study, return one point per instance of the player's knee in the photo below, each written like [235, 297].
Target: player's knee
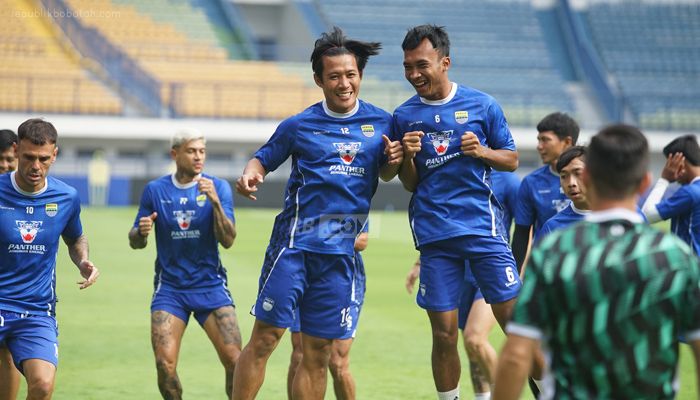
[444, 337]
[474, 344]
[165, 366]
[338, 364]
[40, 387]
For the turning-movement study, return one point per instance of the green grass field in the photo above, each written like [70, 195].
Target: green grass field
[104, 331]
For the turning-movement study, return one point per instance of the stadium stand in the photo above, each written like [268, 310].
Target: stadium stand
[497, 48]
[39, 74]
[653, 51]
[198, 78]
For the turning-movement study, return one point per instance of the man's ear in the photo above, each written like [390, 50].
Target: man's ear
[318, 80]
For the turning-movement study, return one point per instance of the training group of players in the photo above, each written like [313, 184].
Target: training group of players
[601, 307]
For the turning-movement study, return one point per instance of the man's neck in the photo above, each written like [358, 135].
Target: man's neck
[629, 203]
[582, 205]
[183, 178]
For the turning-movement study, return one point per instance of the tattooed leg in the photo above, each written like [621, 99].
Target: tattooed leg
[166, 336]
[223, 331]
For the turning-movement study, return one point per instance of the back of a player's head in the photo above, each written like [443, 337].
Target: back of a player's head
[7, 139]
[335, 43]
[184, 136]
[688, 145]
[436, 34]
[37, 131]
[561, 124]
[617, 161]
[570, 155]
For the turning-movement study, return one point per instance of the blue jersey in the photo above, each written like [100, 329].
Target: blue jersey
[32, 224]
[505, 186]
[540, 197]
[454, 196]
[335, 168]
[188, 252]
[683, 208]
[568, 216]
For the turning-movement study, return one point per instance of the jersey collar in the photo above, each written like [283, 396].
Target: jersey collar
[578, 210]
[20, 191]
[613, 214]
[334, 114]
[186, 185]
[446, 100]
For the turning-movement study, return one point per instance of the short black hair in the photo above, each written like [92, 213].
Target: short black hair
[561, 124]
[436, 34]
[617, 161]
[335, 43]
[7, 139]
[569, 155]
[37, 131]
[688, 145]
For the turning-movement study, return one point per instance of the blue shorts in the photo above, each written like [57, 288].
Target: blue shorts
[182, 304]
[319, 285]
[443, 266]
[470, 294]
[29, 337]
[359, 288]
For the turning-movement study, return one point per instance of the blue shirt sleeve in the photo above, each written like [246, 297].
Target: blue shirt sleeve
[146, 206]
[74, 229]
[279, 147]
[498, 136]
[680, 203]
[524, 210]
[223, 190]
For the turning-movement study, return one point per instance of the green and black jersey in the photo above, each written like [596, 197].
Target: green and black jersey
[609, 300]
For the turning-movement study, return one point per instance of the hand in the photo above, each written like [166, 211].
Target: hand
[393, 151]
[89, 271]
[412, 144]
[412, 277]
[206, 186]
[674, 168]
[247, 184]
[471, 145]
[146, 224]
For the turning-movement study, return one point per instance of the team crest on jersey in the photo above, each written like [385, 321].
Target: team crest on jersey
[28, 230]
[51, 209]
[201, 200]
[440, 141]
[184, 219]
[367, 130]
[461, 116]
[347, 151]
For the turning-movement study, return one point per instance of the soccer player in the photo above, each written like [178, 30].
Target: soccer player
[683, 207]
[475, 317]
[541, 195]
[339, 147]
[609, 296]
[36, 210]
[339, 364]
[569, 166]
[9, 376]
[192, 213]
[453, 136]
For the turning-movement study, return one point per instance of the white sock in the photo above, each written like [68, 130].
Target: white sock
[482, 396]
[451, 395]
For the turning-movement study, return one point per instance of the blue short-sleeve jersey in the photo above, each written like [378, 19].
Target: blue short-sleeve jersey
[683, 208]
[568, 216]
[188, 252]
[505, 186]
[32, 224]
[454, 196]
[540, 197]
[335, 170]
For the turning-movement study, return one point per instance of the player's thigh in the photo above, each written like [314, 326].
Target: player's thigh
[340, 351]
[222, 328]
[166, 335]
[480, 321]
[33, 337]
[328, 309]
[38, 371]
